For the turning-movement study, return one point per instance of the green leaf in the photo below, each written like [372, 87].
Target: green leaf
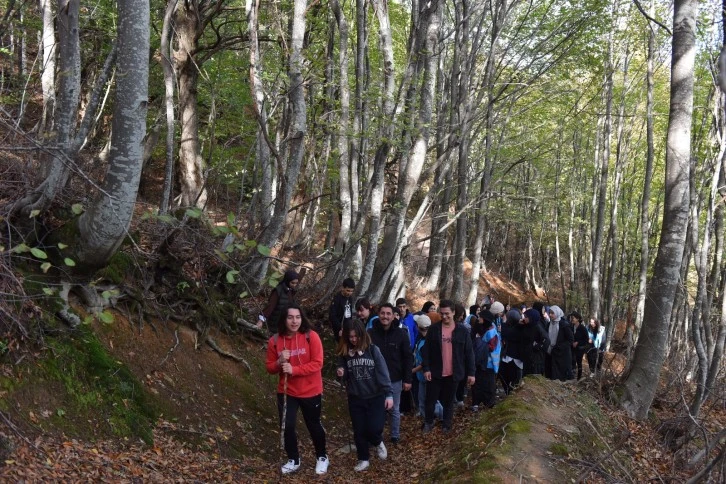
[243, 295]
[231, 276]
[88, 319]
[106, 317]
[193, 212]
[48, 291]
[106, 295]
[251, 243]
[60, 412]
[230, 219]
[45, 266]
[21, 248]
[264, 250]
[61, 245]
[34, 213]
[77, 208]
[69, 262]
[38, 253]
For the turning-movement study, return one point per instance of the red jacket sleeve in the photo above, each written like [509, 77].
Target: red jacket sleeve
[272, 357]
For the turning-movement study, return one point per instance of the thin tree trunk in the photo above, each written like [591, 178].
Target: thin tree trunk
[47, 79]
[645, 201]
[166, 64]
[597, 245]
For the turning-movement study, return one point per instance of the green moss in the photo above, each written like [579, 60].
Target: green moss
[118, 268]
[559, 449]
[93, 382]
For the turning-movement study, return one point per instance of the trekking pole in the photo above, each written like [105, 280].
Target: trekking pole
[284, 413]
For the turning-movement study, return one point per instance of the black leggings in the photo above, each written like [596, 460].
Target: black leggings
[310, 408]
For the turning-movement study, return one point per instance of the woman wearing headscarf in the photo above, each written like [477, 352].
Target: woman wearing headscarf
[535, 341]
[280, 299]
[559, 353]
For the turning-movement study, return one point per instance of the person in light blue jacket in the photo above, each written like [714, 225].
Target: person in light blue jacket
[595, 354]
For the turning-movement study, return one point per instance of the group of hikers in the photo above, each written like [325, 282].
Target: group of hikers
[431, 358]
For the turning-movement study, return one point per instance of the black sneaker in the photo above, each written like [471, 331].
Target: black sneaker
[395, 440]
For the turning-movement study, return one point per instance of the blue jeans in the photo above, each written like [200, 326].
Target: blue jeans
[395, 413]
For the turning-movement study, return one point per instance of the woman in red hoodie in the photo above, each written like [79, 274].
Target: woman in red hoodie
[296, 354]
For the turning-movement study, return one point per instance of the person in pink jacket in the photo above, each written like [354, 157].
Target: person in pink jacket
[296, 354]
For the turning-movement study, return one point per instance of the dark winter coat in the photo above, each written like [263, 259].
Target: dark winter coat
[396, 350]
[562, 352]
[336, 313]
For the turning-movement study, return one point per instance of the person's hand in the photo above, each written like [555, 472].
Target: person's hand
[287, 368]
[427, 375]
[284, 357]
[470, 380]
[259, 324]
[406, 387]
[589, 341]
[340, 333]
[388, 404]
[340, 372]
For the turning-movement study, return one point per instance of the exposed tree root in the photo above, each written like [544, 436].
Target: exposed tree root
[213, 344]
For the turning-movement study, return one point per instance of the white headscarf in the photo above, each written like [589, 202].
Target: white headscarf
[558, 312]
[554, 326]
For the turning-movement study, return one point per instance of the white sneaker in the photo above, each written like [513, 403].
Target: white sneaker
[361, 466]
[321, 466]
[291, 466]
[382, 451]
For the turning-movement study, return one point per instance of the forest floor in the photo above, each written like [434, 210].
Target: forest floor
[219, 424]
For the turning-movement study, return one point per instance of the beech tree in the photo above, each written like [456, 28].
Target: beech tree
[640, 385]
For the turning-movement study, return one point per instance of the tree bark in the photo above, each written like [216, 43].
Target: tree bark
[640, 385]
[168, 68]
[104, 225]
[47, 79]
[645, 201]
[191, 166]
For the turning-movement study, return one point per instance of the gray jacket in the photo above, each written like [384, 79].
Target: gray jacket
[366, 375]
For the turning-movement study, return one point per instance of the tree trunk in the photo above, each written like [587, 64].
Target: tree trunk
[645, 201]
[460, 100]
[641, 383]
[297, 129]
[166, 64]
[104, 225]
[386, 135]
[425, 51]
[47, 79]
[191, 166]
[597, 245]
[344, 161]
